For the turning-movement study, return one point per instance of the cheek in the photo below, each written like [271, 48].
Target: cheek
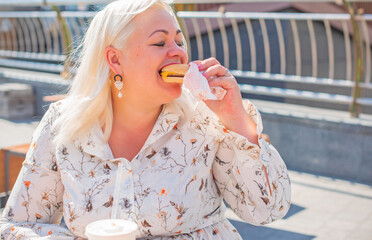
[134, 55]
[145, 61]
[185, 58]
[135, 64]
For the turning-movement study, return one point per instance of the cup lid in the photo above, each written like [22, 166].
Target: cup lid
[110, 227]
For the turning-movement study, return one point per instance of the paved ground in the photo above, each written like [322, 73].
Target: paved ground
[16, 132]
[322, 208]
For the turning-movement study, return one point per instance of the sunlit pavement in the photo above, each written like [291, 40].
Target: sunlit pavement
[322, 208]
[16, 132]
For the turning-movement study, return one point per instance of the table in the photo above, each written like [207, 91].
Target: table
[11, 158]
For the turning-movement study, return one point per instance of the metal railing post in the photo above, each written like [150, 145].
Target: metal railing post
[355, 108]
[66, 36]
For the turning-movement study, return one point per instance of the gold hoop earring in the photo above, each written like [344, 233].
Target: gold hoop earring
[118, 84]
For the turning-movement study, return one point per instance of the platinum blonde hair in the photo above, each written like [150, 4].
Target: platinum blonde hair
[89, 97]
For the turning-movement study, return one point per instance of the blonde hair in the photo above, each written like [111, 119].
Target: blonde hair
[89, 96]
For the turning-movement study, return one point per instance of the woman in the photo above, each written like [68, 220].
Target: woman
[125, 144]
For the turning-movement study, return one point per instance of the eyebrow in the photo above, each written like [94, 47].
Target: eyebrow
[164, 31]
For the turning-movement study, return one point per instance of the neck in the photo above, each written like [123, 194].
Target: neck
[133, 115]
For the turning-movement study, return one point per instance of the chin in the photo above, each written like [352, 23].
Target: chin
[173, 92]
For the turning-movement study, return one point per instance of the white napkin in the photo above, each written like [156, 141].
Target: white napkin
[199, 87]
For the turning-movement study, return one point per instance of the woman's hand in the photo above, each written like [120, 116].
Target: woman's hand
[230, 109]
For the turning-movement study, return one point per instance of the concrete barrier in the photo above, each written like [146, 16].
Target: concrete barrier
[43, 85]
[333, 145]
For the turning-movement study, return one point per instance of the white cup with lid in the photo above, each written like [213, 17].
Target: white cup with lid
[111, 229]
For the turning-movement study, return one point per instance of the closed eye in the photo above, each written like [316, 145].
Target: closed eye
[161, 44]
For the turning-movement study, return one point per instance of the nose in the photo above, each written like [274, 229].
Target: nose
[178, 52]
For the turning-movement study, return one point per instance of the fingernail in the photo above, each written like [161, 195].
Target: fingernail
[203, 74]
[199, 66]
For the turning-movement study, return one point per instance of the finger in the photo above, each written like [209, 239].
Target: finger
[207, 63]
[215, 70]
[197, 62]
[224, 82]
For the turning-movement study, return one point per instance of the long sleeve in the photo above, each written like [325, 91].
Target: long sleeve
[239, 172]
[34, 208]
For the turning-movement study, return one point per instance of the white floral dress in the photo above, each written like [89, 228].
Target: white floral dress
[173, 188]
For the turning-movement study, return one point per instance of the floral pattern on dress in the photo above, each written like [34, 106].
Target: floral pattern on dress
[173, 188]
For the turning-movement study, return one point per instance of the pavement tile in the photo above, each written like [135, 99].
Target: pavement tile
[309, 221]
[331, 234]
[307, 198]
[361, 235]
[332, 203]
[355, 212]
[341, 225]
[366, 224]
[16, 132]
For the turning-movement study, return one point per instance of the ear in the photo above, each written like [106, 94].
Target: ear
[113, 59]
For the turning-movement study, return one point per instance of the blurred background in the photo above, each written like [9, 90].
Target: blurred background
[306, 65]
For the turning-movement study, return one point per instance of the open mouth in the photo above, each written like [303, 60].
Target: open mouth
[165, 66]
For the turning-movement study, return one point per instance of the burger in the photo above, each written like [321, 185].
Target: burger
[174, 73]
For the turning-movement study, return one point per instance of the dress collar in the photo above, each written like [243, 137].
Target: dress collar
[92, 143]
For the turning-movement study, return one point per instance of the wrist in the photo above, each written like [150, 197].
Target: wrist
[243, 125]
